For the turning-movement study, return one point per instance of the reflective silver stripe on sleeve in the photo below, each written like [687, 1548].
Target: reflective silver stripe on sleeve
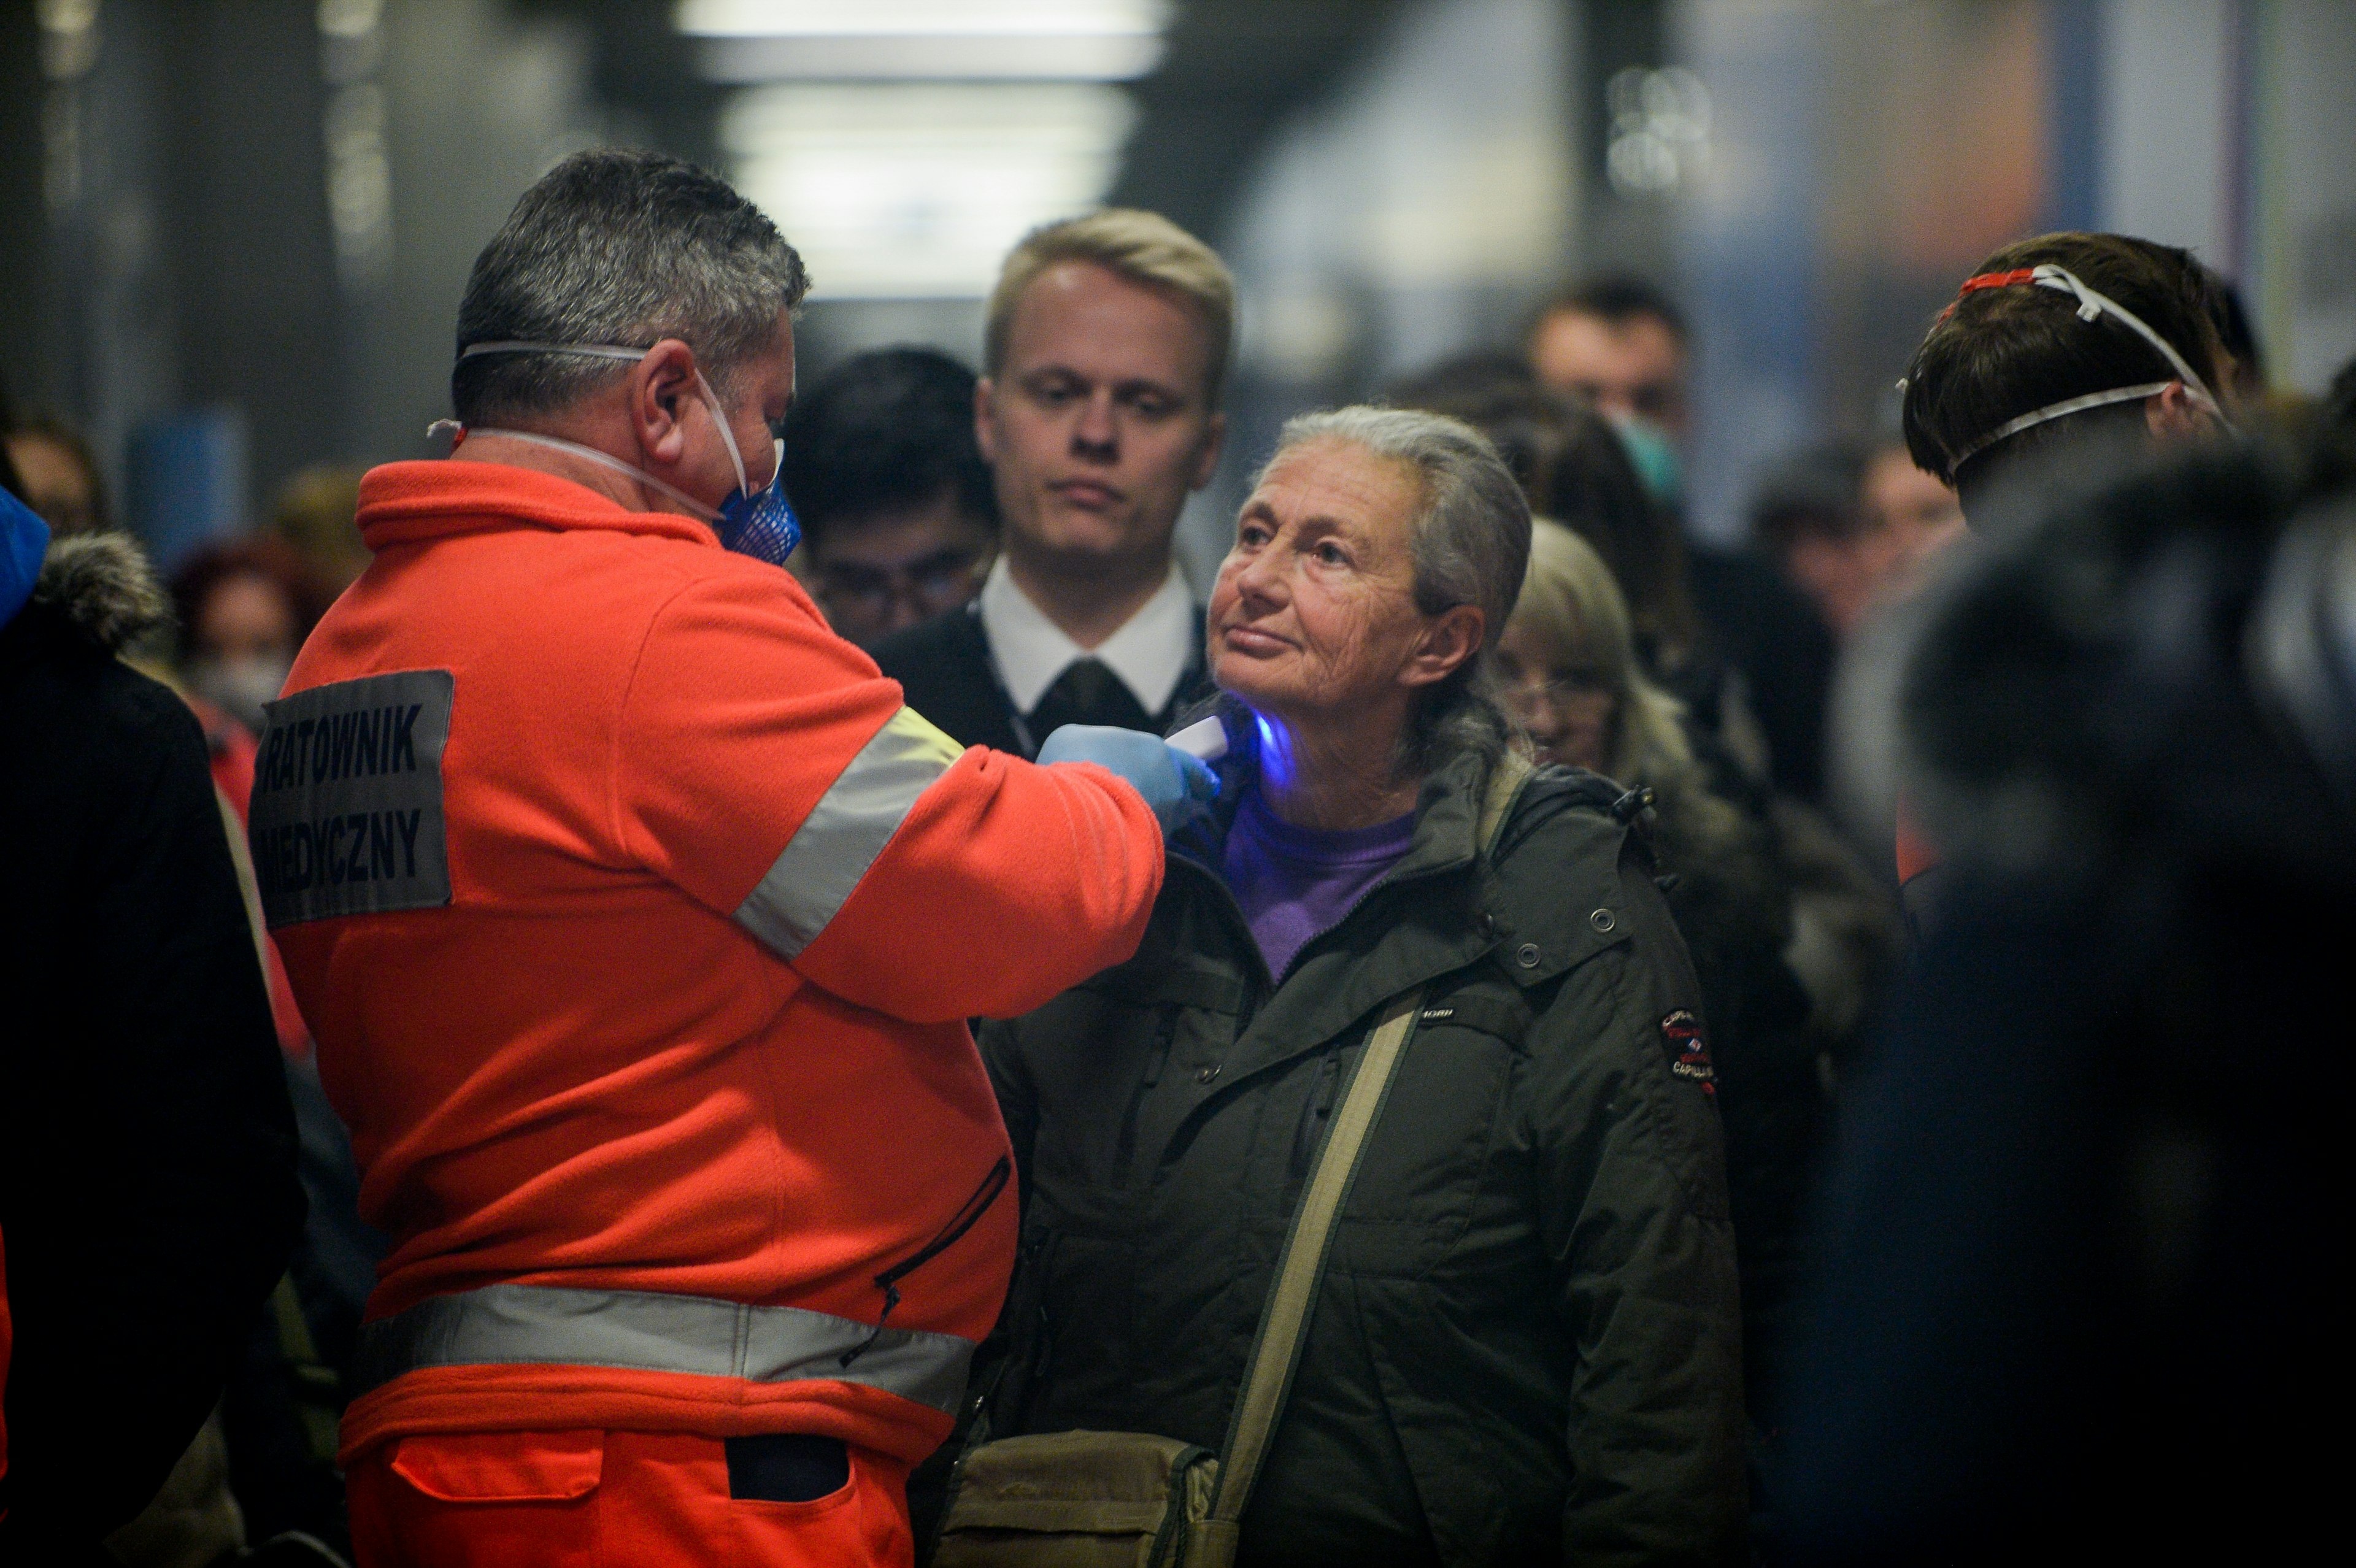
[819, 867]
[532, 1324]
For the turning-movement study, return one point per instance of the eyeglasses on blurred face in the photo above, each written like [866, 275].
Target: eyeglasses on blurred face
[931, 585]
[879, 570]
[1566, 706]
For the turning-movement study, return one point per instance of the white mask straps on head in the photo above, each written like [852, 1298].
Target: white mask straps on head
[617, 351]
[2091, 307]
[459, 433]
[758, 523]
[600, 351]
[585, 350]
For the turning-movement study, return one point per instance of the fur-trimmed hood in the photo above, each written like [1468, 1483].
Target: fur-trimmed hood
[103, 584]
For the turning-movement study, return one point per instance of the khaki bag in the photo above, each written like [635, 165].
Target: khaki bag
[1128, 1499]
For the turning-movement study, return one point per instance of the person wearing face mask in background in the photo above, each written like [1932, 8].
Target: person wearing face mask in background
[2056, 351]
[1622, 346]
[244, 607]
[629, 903]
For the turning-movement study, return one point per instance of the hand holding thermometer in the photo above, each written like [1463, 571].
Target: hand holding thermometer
[1205, 739]
[1176, 783]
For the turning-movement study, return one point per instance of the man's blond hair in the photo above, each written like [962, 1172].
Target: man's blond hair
[1144, 247]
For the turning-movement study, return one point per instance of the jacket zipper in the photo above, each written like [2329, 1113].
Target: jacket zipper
[968, 1216]
[1156, 1058]
[1040, 1352]
[1232, 912]
[1315, 1110]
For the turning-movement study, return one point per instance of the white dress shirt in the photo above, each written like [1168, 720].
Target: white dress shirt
[1150, 653]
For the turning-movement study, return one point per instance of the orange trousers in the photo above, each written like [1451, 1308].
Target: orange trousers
[610, 1499]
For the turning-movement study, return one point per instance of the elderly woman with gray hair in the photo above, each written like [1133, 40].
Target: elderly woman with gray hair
[1525, 1344]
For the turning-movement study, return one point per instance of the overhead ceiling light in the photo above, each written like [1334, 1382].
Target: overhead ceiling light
[885, 58]
[769, 40]
[835, 18]
[919, 191]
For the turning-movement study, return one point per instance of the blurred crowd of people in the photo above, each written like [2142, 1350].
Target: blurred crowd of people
[1839, 1123]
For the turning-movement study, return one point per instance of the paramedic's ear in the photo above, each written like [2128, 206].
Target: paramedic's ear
[659, 386]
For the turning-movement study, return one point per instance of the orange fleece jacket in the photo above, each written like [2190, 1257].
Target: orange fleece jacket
[581, 1071]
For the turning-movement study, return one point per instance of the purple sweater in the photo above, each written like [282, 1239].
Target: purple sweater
[1296, 883]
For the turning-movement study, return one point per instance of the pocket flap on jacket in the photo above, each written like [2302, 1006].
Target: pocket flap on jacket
[502, 1466]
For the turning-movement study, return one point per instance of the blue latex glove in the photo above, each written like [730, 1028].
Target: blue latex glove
[1173, 784]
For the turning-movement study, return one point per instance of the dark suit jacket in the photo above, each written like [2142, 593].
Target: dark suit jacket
[945, 672]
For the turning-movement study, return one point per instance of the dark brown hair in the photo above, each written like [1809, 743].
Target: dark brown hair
[891, 428]
[1615, 298]
[2000, 353]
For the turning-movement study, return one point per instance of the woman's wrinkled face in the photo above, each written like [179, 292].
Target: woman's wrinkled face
[1564, 701]
[1313, 614]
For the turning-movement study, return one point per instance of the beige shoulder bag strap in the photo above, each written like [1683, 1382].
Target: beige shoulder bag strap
[1284, 1325]
[1506, 781]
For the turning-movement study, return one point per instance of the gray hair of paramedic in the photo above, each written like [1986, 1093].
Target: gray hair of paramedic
[619, 247]
[1470, 543]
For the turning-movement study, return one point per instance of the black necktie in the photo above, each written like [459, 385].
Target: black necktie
[1087, 692]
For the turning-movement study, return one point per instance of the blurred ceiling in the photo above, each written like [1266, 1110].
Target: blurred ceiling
[1235, 68]
[929, 132]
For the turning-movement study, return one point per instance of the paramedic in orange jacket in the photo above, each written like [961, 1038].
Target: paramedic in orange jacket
[639, 923]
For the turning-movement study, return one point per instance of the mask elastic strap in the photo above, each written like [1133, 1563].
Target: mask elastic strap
[586, 350]
[617, 351]
[2091, 307]
[558, 444]
[2054, 411]
[720, 417]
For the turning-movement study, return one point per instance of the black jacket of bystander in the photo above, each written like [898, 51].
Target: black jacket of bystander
[148, 1186]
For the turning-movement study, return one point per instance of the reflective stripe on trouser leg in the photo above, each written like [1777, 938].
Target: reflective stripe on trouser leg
[823, 862]
[638, 1330]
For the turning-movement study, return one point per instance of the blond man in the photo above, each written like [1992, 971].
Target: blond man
[1106, 346]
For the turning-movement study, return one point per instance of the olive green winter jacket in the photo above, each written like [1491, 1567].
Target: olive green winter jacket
[1527, 1346]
